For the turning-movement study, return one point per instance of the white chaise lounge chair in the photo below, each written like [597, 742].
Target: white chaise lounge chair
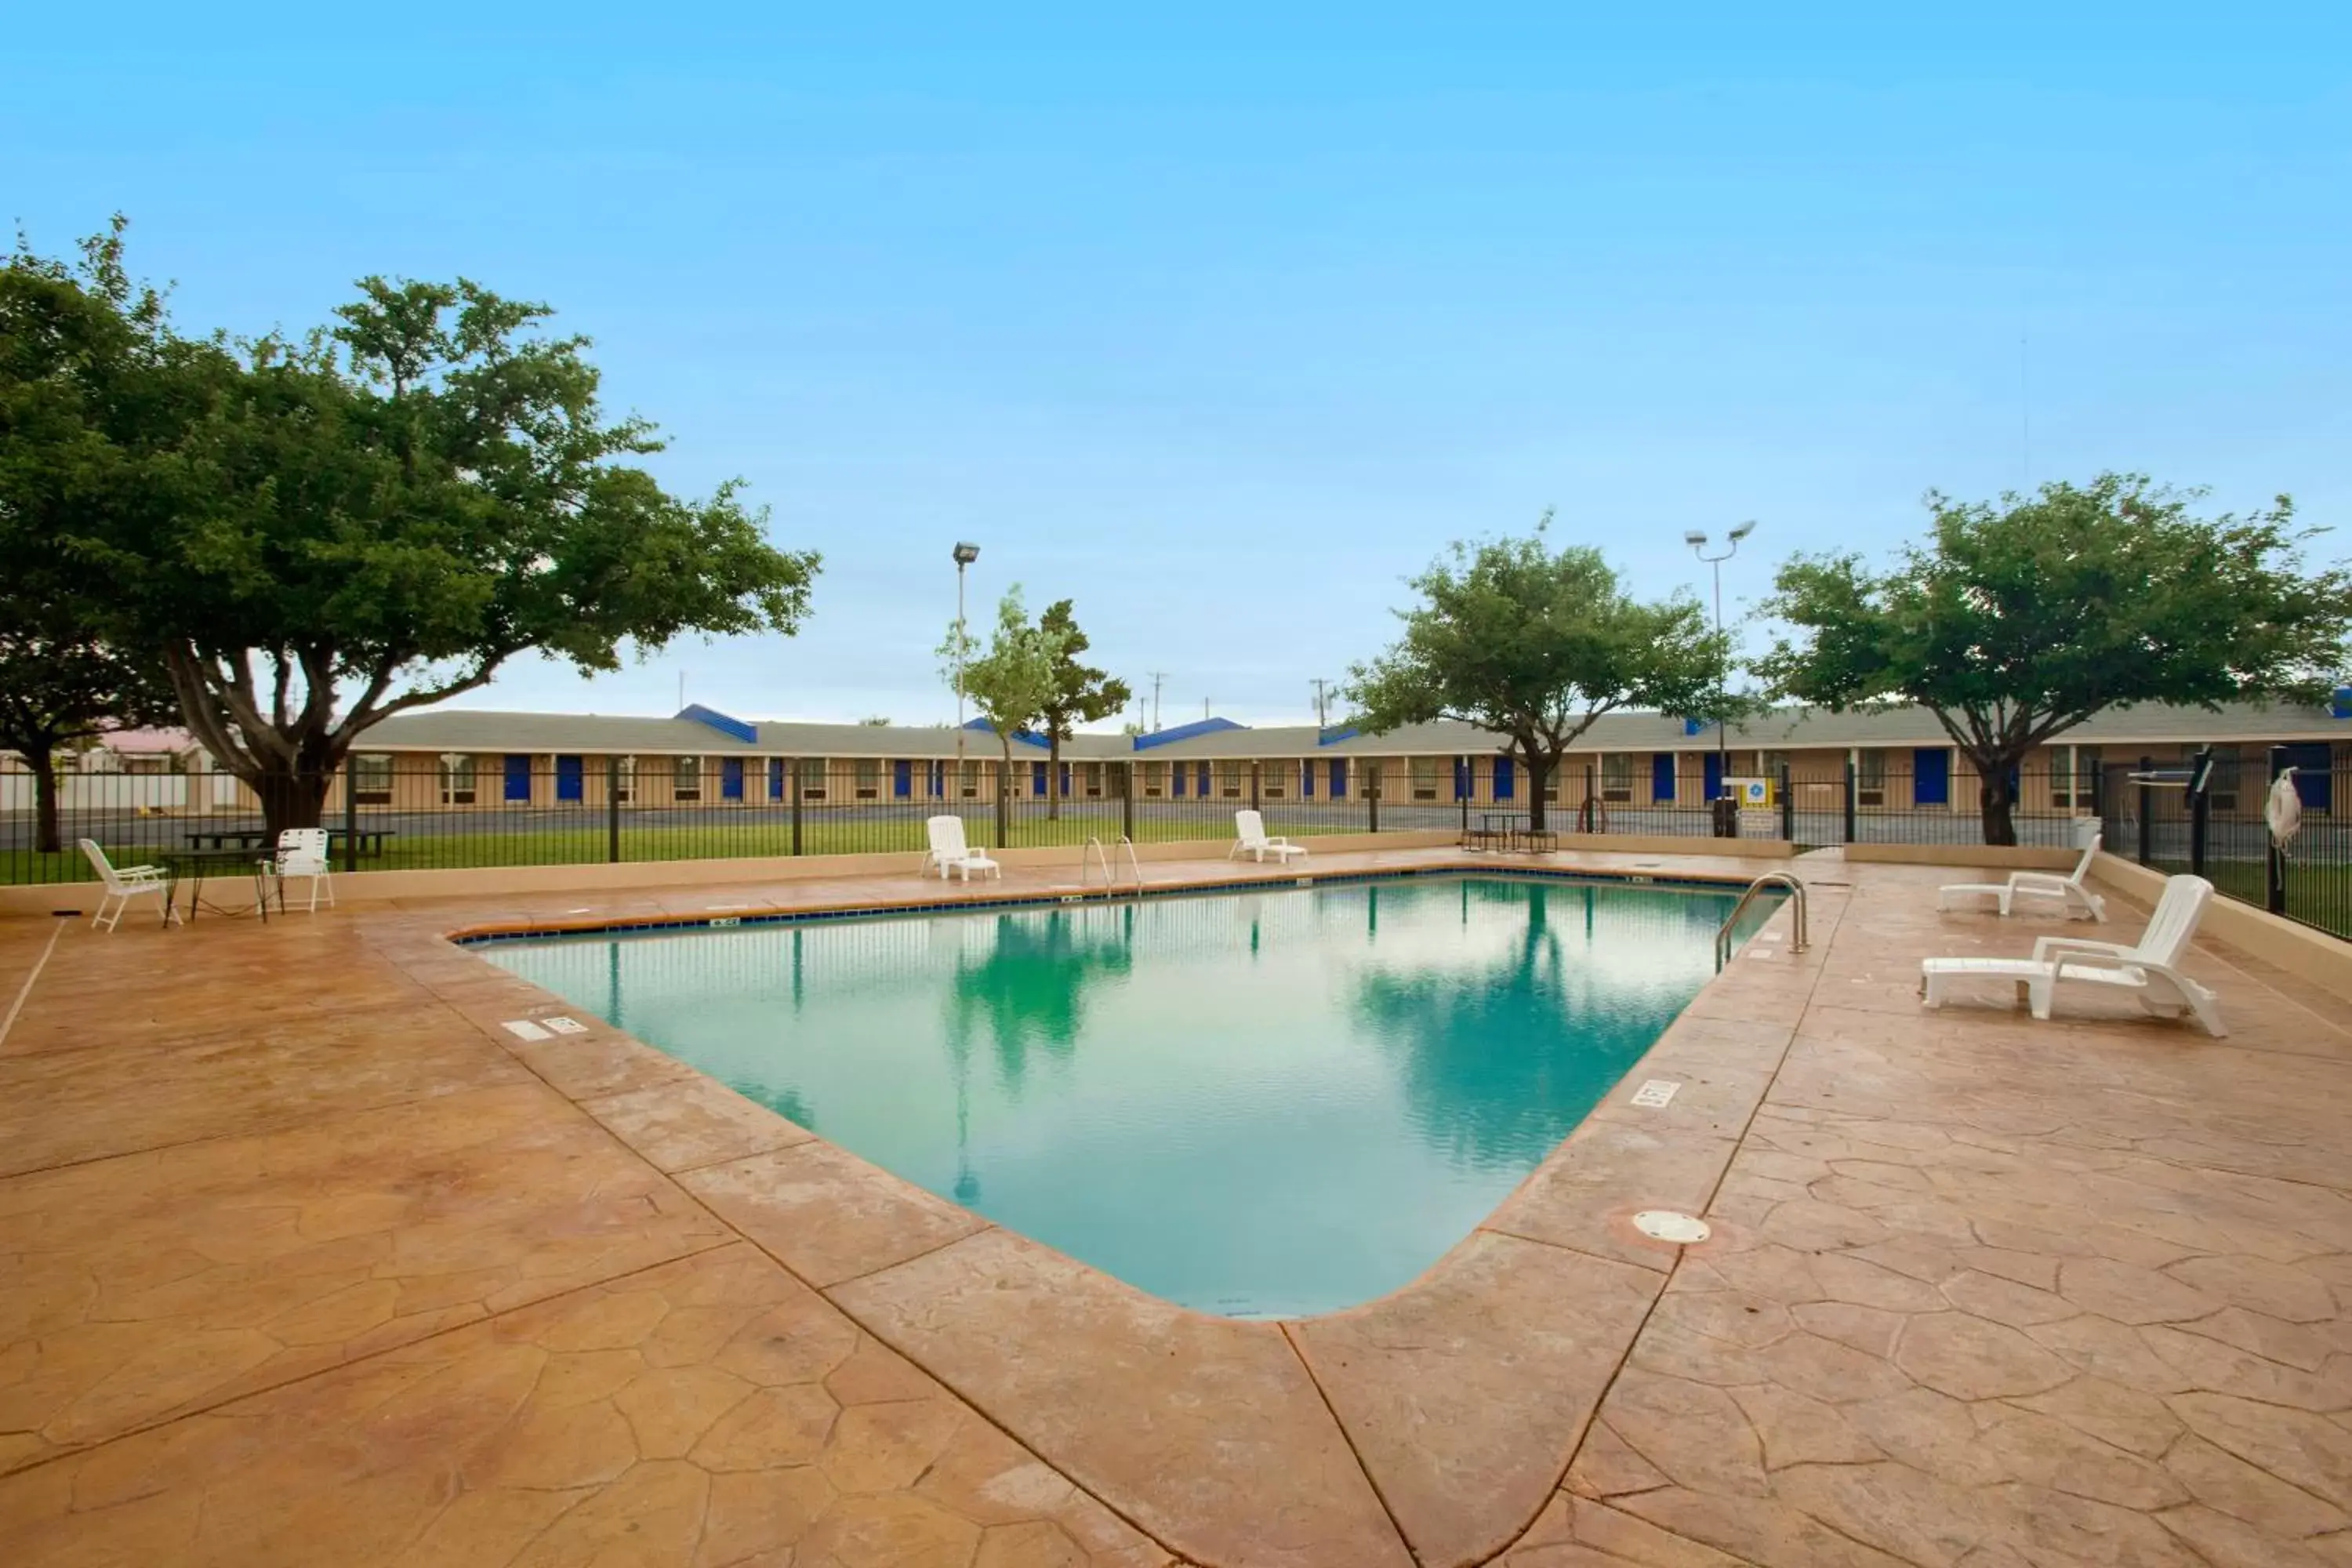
[2071, 888]
[1249, 837]
[2151, 970]
[124, 883]
[949, 852]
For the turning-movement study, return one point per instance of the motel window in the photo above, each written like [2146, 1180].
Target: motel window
[970, 782]
[1769, 764]
[624, 774]
[1155, 778]
[2222, 792]
[814, 771]
[1422, 775]
[1870, 776]
[686, 779]
[1617, 776]
[1229, 780]
[456, 779]
[1090, 776]
[372, 778]
[869, 777]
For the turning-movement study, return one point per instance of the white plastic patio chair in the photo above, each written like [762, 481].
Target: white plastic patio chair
[1249, 834]
[2150, 968]
[301, 852]
[949, 852]
[124, 883]
[2071, 888]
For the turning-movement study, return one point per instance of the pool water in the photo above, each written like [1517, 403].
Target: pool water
[1260, 1103]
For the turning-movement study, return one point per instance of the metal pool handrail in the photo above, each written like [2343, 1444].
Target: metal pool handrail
[1768, 880]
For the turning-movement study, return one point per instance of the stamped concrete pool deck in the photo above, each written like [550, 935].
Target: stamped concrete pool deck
[305, 1259]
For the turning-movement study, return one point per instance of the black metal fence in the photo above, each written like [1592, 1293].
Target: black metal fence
[471, 813]
[2209, 816]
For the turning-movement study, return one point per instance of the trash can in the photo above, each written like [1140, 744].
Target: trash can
[1726, 817]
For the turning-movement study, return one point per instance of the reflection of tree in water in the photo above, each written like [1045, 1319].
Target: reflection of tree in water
[1481, 1075]
[1029, 990]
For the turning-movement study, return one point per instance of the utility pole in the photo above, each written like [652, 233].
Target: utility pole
[1205, 708]
[1322, 703]
[1159, 679]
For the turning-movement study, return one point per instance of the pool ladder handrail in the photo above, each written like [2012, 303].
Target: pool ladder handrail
[1768, 880]
[1095, 851]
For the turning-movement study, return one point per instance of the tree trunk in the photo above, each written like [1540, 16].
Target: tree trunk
[1540, 768]
[1996, 800]
[43, 763]
[1053, 777]
[289, 798]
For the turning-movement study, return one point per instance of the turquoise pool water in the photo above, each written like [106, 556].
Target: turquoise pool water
[1260, 1103]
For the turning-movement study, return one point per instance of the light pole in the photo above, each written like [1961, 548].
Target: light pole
[1698, 542]
[965, 554]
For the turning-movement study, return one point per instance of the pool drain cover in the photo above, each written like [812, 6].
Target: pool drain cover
[1665, 1225]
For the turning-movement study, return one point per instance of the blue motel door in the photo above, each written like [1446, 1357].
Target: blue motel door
[1662, 775]
[775, 778]
[1202, 778]
[1338, 778]
[902, 779]
[569, 777]
[519, 778]
[1176, 779]
[1931, 776]
[1307, 781]
[1507, 778]
[1713, 778]
[731, 778]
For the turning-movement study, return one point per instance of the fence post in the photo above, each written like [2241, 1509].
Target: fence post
[1372, 795]
[613, 809]
[2200, 816]
[2273, 860]
[1257, 781]
[1592, 807]
[793, 793]
[1003, 806]
[1852, 787]
[350, 812]
[1788, 807]
[1126, 800]
[1462, 792]
[2147, 808]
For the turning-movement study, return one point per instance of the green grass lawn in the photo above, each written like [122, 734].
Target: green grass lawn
[716, 836]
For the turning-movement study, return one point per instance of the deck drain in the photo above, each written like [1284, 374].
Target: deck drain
[1665, 1225]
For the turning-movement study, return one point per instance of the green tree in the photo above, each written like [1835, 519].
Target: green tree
[1082, 695]
[1535, 645]
[875, 721]
[1010, 681]
[76, 346]
[379, 516]
[2017, 621]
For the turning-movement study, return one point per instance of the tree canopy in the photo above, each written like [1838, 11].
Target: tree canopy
[1011, 679]
[1536, 645]
[318, 532]
[2016, 621]
[1081, 695]
[71, 360]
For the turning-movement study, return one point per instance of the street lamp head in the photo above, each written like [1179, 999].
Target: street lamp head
[1695, 539]
[1742, 532]
[965, 554]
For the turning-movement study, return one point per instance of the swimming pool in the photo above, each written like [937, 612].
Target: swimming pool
[1256, 1103]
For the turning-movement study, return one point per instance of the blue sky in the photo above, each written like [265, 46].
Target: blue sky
[1223, 324]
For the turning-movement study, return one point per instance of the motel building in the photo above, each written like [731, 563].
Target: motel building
[1901, 759]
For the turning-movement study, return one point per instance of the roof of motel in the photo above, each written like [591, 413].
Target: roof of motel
[702, 730]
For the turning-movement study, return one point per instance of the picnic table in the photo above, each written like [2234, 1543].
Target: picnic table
[192, 866]
[371, 839]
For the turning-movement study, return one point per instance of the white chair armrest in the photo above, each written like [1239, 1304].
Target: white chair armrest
[2045, 948]
[141, 873]
[2037, 881]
